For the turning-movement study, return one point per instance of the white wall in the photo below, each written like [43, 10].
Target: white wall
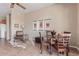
[64, 18]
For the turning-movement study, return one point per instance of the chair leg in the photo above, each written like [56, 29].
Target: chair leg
[67, 51]
[60, 53]
[57, 53]
[63, 52]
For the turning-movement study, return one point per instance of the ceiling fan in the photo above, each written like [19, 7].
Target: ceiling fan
[12, 5]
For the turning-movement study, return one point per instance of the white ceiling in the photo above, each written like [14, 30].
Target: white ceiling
[4, 8]
[30, 7]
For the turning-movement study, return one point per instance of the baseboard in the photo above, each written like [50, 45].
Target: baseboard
[75, 47]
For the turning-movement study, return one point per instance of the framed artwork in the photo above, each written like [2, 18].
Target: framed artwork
[16, 25]
[34, 25]
[40, 25]
[48, 24]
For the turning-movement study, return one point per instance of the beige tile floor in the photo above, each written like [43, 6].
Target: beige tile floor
[6, 49]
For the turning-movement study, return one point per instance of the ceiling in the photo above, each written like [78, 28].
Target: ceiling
[30, 7]
[4, 8]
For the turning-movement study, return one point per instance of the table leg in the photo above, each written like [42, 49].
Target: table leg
[50, 49]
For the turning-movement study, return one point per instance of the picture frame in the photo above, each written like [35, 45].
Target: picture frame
[34, 25]
[40, 25]
[16, 25]
[48, 24]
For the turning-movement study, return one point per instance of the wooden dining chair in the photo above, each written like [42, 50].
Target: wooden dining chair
[20, 36]
[63, 43]
[66, 40]
[60, 45]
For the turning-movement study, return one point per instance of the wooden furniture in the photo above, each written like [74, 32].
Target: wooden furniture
[60, 45]
[19, 35]
[38, 40]
[60, 42]
[63, 43]
[66, 39]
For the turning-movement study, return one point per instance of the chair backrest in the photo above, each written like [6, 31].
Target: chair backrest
[19, 32]
[48, 35]
[63, 40]
[66, 37]
[59, 41]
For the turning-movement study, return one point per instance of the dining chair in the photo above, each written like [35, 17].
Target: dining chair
[63, 43]
[66, 40]
[21, 36]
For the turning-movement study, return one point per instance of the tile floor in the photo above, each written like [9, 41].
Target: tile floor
[6, 49]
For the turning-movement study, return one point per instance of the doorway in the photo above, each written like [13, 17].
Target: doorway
[2, 30]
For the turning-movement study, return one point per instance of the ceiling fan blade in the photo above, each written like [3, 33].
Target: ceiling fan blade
[12, 5]
[20, 5]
